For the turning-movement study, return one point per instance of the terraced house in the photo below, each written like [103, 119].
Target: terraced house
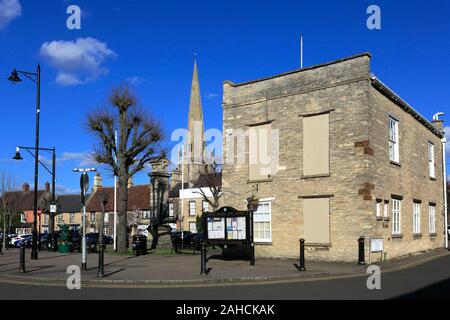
[333, 154]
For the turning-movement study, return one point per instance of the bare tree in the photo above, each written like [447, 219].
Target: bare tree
[213, 175]
[139, 142]
[8, 203]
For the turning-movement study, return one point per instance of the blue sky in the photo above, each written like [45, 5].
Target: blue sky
[151, 44]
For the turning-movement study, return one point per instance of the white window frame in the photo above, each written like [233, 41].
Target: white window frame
[416, 218]
[378, 208]
[432, 219]
[45, 218]
[205, 206]
[60, 218]
[92, 214]
[396, 212]
[394, 149]
[195, 225]
[431, 163]
[23, 217]
[171, 210]
[192, 208]
[259, 217]
[386, 209]
[146, 214]
[72, 217]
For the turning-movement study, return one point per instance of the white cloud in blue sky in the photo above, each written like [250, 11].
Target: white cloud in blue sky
[77, 62]
[9, 10]
[135, 81]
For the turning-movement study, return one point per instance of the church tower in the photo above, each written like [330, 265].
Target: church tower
[194, 148]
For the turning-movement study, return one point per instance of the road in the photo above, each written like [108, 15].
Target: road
[430, 280]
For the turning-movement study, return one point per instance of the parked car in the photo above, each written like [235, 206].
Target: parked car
[19, 237]
[26, 239]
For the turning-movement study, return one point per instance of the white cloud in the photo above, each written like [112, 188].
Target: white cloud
[61, 190]
[77, 159]
[77, 62]
[135, 81]
[9, 10]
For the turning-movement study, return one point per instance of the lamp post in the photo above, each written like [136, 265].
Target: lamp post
[36, 78]
[84, 185]
[51, 242]
[252, 205]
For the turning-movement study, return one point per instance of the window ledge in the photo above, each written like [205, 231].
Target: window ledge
[259, 181]
[387, 219]
[433, 235]
[397, 236]
[317, 176]
[432, 179]
[380, 219]
[395, 163]
[324, 245]
[263, 243]
[417, 235]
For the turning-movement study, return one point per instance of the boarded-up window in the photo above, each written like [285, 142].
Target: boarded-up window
[316, 144]
[317, 220]
[260, 152]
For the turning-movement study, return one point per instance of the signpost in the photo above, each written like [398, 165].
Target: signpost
[84, 186]
[376, 246]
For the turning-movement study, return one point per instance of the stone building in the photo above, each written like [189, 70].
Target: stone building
[333, 154]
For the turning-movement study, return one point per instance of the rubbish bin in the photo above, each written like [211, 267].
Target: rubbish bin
[139, 245]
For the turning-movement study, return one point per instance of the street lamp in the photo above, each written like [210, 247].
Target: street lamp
[84, 185]
[36, 78]
[51, 242]
[252, 205]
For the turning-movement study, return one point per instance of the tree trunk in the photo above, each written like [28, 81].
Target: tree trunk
[122, 205]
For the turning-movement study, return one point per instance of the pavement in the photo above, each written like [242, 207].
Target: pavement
[180, 270]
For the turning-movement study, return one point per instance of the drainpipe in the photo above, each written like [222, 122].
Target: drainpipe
[444, 141]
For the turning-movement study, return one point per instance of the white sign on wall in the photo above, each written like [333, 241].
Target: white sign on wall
[376, 245]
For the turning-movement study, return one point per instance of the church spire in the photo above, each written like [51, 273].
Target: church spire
[196, 128]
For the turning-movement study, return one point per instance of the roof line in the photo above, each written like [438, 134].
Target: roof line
[391, 95]
[364, 54]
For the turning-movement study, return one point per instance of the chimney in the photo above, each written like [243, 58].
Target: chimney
[98, 182]
[26, 188]
[439, 124]
[47, 186]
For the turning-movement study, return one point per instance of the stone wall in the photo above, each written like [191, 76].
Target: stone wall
[344, 90]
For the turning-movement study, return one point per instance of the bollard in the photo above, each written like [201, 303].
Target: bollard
[101, 261]
[361, 253]
[252, 255]
[301, 266]
[203, 260]
[22, 258]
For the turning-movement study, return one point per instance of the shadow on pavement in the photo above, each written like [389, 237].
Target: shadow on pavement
[437, 291]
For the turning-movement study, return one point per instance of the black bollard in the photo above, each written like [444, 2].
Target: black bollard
[361, 253]
[22, 258]
[252, 255]
[203, 260]
[301, 266]
[101, 261]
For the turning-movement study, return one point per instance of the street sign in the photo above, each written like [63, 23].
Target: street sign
[376, 245]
